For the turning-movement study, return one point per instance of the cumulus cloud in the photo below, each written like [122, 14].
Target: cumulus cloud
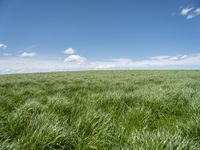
[194, 13]
[190, 12]
[3, 46]
[75, 59]
[70, 51]
[185, 11]
[28, 54]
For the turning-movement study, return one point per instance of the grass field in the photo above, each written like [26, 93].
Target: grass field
[151, 110]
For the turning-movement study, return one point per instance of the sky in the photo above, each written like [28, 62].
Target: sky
[62, 35]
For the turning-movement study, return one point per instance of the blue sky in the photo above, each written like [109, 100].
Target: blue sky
[105, 33]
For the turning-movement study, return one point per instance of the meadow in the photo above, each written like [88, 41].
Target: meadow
[100, 110]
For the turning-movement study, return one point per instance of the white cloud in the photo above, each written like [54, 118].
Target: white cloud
[28, 54]
[75, 59]
[3, 46]
[20, 65]
[76, 62]
[189, 17]
[185, 11]
[157, 62]
[190, 12]
[194, 13]
[70, 51]
[174, 58]
[197, 11]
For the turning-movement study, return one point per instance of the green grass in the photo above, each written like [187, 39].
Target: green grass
[151, 110]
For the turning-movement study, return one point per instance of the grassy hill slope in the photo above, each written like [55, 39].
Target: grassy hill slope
[100, 110]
